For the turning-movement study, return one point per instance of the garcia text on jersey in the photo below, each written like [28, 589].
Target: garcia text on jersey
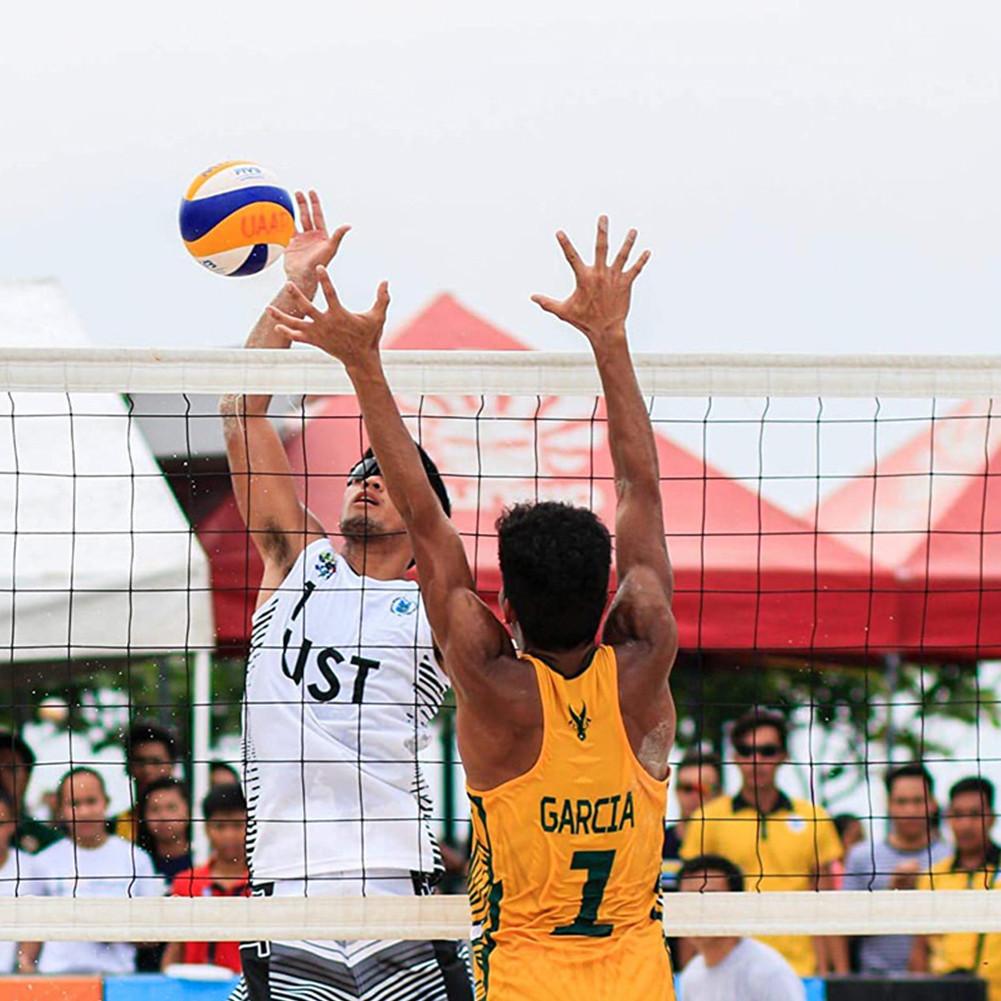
[604, 815]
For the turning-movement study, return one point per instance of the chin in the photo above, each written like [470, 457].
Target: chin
[361, 526]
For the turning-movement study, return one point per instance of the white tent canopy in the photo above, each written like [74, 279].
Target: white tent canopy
[96, 556]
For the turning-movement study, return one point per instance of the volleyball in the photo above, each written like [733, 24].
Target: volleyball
[236, 219]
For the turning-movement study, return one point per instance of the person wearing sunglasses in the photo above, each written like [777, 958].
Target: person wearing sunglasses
[342, 684]
[699, 780]
[780, 842]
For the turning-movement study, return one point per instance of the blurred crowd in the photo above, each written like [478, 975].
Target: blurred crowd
[760, 838]
[145, 851]
[757, 837]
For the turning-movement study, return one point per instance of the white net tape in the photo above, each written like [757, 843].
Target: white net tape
[480, 374]
[447, 917]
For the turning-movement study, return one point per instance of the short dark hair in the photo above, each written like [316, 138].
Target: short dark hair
[79, 770]
[713, 863]
[223, 799]
[974, 783]
[555, 561]
[910, 770]
[695, 757]
[149, 732]
[755, 718]
[17, 743]
[223, 766]
[845, 820]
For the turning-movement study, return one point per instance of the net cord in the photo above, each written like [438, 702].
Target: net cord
[214, 919]
[524, 373]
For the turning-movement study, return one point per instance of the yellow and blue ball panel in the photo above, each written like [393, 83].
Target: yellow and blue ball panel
[236, 219]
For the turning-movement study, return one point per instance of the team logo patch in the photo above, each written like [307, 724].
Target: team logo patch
[581, 720]
[403, 606]
[796, 823]
[326, 565]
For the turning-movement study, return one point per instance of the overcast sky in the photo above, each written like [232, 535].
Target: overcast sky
[810, 176]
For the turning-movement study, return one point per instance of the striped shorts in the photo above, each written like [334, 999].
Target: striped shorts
[352, 971]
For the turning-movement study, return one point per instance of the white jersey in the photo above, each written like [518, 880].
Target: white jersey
[341, 687]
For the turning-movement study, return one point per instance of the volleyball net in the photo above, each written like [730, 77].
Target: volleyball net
[833, 525]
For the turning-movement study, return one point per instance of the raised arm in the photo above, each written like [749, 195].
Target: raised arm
[262, 476]
[454, 610]
[598, 308]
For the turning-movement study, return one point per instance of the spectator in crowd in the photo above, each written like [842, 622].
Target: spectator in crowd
[90, 862]
[165, 827]
[728, 969]
[150, 754]
[222, 773]
[16, 762]
[699, 780]
[779, 842]
[896, 862]
[17, 870]
[224, 875]
[973, 865]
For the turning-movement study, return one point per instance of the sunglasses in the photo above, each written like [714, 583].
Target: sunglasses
[758, 750]
[364, 469]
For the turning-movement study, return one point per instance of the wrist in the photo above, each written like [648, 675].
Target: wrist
[365, 367]
[609, 342]
[286, 300]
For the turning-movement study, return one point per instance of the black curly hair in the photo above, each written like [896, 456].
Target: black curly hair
[555, 561]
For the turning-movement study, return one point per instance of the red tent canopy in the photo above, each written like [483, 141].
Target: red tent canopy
[749, 575]
[931, 511]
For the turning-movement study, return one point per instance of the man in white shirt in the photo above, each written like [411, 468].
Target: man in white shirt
[89, 863]
[17, 870]
[729, 968]
[341, 686]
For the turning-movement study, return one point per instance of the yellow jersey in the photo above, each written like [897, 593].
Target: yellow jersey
[565, 866]
[980, 954]
[780, 850]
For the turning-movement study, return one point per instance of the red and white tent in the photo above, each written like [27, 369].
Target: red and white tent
[749, 576]
[931, 512]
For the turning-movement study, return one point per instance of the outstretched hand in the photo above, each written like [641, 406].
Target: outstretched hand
[353, 338]
[598, 306]
[311, 245]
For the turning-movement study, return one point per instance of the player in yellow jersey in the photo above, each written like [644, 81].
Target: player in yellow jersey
[564, 738]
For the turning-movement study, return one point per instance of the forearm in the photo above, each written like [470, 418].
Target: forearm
[630, 435]
[27, 956]
[236, 408]
[399, 461]
[174, 953]
[832, 954]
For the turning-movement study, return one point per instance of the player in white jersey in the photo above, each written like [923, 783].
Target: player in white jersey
[342, 682]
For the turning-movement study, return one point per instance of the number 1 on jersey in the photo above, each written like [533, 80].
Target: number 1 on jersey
[599, 869]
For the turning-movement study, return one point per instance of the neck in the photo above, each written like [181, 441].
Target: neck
[379, 558]
[764, 798]
[4, 853]
[171, 849]
[715, 950]
[95, 842]
[569, 663]
[904, 844]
